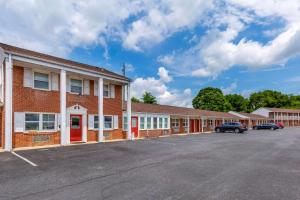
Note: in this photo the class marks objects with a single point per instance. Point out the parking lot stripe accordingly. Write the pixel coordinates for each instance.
(25, 159)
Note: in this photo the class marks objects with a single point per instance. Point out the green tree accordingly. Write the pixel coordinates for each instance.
(238, 102)
(295, 101)
(269, 98)
(211, 99)
(149, 98)
(135, 100)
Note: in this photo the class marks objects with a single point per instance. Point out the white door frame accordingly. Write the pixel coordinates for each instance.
(77, 110)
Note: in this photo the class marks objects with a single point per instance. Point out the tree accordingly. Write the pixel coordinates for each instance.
(149, 98)
(135, 100)
(211, 99)
(238, 102)
(295, 101)
(269, 98)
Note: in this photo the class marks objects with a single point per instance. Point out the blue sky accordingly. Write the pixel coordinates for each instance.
(172, 48)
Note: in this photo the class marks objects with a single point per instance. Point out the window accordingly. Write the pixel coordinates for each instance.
(41, 81)
(106, 90)
(210, 123)
(48, 121)
(96, 121)
(175, 123)
(76, 86)
(160, 122)
(204, 123)
(148, 122)
(154, 122)
(185, 123)
(108, 122)
(32, 122)
(142, 122)
(166, 122)
(125, 123)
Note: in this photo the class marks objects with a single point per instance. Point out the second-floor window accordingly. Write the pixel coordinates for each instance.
(41, 80)
(76, 86)
(106, 90)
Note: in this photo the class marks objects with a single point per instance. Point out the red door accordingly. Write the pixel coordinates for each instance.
(75, 128)
(192, 126)
(134, 126)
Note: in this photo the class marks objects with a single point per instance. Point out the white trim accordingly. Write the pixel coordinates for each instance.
(60, 66)
(70, 85)
(63, 111)
(130, 136)
(80, 111)
(100, 110)
(40, 130)
(8, 103)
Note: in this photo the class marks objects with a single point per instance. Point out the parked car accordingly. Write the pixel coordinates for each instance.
(231, 126)
(280, 125)
(269, 126)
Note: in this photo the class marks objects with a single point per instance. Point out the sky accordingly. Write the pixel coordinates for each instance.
(171, 48)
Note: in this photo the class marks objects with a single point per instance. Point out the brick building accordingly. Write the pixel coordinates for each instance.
(289, 117)
(250, 119)
(48, 100)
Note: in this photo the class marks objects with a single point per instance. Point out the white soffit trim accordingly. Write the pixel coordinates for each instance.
(238, 114)
(59, 66)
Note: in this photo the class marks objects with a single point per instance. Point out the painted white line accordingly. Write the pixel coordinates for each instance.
(25, 159)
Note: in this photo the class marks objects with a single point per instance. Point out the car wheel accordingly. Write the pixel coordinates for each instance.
(218, 130)
(272, 128)
(255, 128)
(236, 130)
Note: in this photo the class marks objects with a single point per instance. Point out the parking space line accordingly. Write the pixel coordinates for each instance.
(25, 159)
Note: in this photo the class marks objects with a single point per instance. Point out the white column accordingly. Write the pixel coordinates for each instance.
(129, 135)
(188, 125)
(199, 124)
(8, 103)
(100, 110)
(202, 125)
(63, 105)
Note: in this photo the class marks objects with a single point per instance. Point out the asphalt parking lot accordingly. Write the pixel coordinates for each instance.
(257, 165)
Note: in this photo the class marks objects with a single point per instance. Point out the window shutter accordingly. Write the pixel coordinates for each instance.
(28, 77)
(91, 122)
(86, 87)
(54, 81)
(112, 91)
(68, 84)
(96, 88)
(19, 122)
(58, 121)
(116, 122)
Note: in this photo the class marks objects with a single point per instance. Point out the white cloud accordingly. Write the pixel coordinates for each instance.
(230, 89)
(220, 50)
(164, 75)
(161, 91)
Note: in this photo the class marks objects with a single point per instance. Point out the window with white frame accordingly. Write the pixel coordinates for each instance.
(142, 122)
(175, 123)
(48, 121)
(166, 123)
(204, 123)
(185, 122)
(108, 122)
(105, 90)
(210, 122)
(76, 86)
(41, 81)
(160, 124)
(125, 123)
(39, 122)
(148, 122)
(96, 121)
(154, 122)
(32, 121)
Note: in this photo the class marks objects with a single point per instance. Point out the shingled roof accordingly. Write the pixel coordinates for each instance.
(284, 110)
(40, 56)
(250, 115)
(180, 111)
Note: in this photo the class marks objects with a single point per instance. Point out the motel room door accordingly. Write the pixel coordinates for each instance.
(75, 128)
(134, 126)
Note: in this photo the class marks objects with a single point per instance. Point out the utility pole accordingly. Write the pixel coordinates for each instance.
(124, 69)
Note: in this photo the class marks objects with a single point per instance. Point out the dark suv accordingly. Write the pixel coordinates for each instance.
(231, 126)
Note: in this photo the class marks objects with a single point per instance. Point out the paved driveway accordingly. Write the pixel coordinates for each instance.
(257, 165)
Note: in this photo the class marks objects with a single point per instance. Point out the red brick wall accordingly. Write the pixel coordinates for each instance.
(153, 133)
(32, 100)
